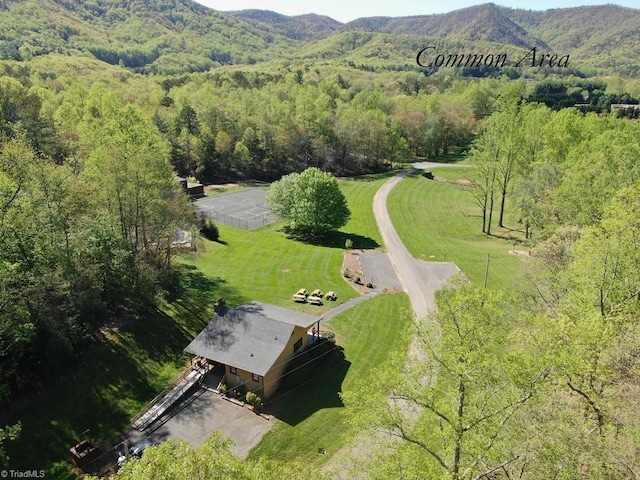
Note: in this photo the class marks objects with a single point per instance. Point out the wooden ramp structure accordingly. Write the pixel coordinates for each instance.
(190, 378)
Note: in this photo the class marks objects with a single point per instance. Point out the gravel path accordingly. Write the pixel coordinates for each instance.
(419, 279)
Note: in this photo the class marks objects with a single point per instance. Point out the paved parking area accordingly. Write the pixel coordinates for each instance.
(378, 270)
(205, 412)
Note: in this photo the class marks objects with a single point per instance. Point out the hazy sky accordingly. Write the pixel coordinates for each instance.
(346, 10)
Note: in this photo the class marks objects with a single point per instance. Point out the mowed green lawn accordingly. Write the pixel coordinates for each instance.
(439, 221)
(268, 266)
(359, 194)
(314, 417)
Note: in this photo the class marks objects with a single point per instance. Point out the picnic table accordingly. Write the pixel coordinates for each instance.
(298, 297)
(331, 295)
(314, 300)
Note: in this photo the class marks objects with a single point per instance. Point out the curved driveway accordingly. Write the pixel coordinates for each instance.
(419, 279)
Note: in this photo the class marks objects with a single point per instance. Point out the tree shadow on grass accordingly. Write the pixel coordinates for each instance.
(371, 177)
(334, 240)
(104, 387)
(121, 368)
(193, 294)
(322, 391)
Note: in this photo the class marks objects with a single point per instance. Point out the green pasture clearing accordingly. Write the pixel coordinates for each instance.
(268, 266)
(313, 418)
(438, 221)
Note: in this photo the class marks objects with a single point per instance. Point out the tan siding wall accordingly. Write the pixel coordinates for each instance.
(272, 378)
(245, 377)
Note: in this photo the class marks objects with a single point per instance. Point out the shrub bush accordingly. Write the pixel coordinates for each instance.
(329, 336)
(209, 230)
(347, 273)
(254, 399)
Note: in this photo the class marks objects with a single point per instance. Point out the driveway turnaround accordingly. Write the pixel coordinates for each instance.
(206, 412)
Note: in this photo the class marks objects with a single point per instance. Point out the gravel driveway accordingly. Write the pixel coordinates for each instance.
(418, 278)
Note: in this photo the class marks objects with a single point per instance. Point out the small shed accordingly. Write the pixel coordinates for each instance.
(195, 190)
(183, 183)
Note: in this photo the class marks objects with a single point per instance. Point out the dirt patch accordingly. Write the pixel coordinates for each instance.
(464, 182)
(220, 186)
(351, 265)
(526, 253)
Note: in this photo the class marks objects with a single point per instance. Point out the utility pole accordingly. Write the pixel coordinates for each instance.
(486, 271)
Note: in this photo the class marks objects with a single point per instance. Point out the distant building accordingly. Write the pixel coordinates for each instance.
(624, 106)
(194, 190)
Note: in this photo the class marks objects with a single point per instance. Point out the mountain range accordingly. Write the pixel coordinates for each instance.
(173, 36)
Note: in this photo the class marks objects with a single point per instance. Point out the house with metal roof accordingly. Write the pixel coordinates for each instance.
(254, 342)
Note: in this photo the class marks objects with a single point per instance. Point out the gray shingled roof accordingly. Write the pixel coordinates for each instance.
(250, 337)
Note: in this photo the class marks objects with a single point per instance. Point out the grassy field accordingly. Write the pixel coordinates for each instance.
(316, 418)
(438, 221)
(267, 266)
(359, 194)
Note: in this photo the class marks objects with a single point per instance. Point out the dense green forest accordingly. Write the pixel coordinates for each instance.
(102, 103)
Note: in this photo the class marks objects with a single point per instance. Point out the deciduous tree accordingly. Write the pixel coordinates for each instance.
(311, 201)
(455, 406)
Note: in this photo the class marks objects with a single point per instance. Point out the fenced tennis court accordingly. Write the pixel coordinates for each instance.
(244, 209)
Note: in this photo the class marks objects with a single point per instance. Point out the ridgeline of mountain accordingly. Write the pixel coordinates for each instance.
(175, 36)
(299, 27)
(609, 35)
(487, 22)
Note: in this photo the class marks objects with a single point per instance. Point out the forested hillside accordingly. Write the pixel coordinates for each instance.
(166, 36)
(299, 27)
(175, 36)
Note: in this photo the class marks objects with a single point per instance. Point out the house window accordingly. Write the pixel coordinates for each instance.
(255, 377)
(233, 370)
(297, 345)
